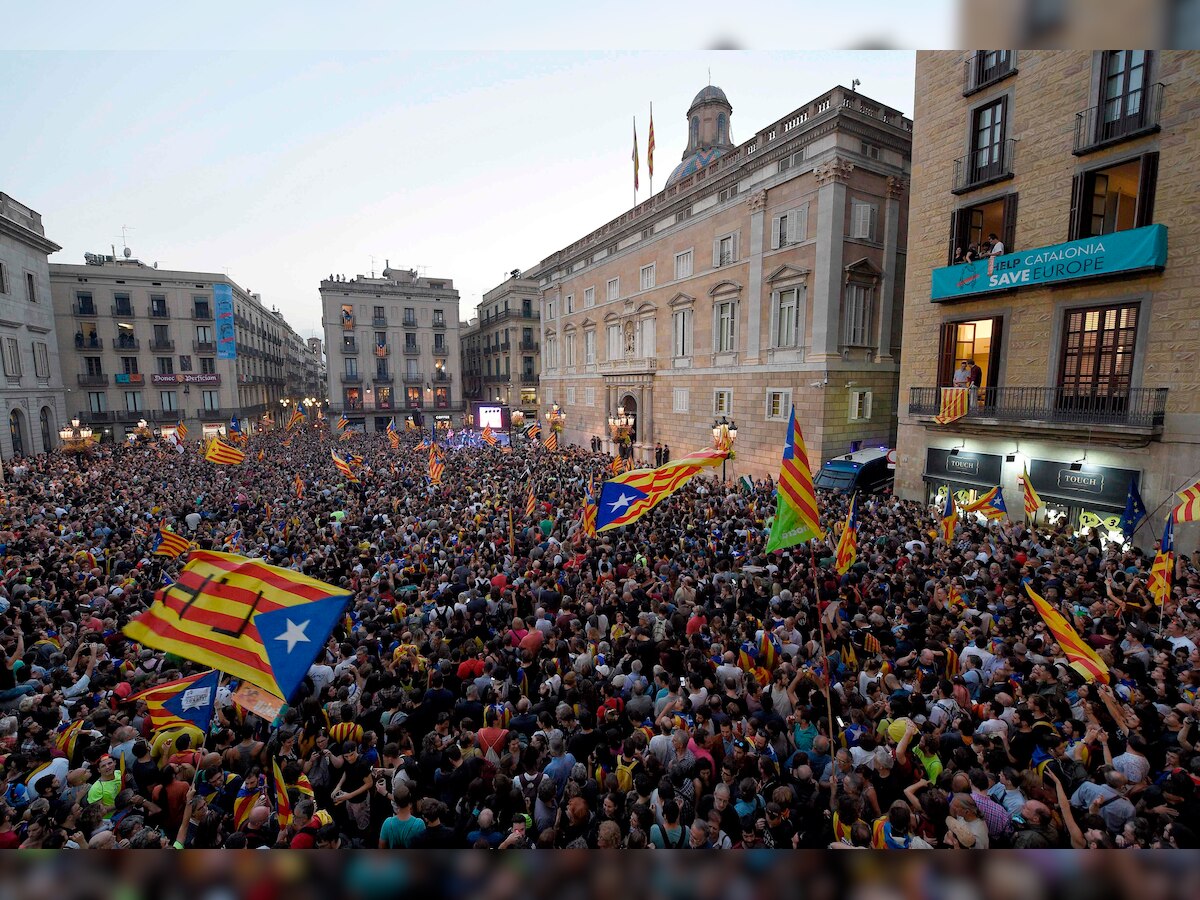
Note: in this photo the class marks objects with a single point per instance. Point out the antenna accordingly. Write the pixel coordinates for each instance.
(124, 241)
(710, 76)
(372, 266)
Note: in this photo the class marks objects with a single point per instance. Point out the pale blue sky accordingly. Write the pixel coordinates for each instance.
(285, 165)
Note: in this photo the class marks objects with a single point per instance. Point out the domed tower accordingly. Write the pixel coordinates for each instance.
(708, 132)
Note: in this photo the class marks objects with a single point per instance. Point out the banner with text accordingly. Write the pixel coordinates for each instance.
(226, 338)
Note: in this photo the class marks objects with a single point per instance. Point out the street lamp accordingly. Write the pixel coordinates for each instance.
(556, 418)
(75, 438)
(620, 427)
(724, 432)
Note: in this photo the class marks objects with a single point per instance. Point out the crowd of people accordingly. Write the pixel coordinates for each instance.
(505, 680)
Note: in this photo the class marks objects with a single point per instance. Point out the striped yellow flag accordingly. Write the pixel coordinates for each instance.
(222, 454)
(954, 405)
(1083, 658)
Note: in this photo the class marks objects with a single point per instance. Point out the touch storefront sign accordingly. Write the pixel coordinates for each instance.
(1110, 254)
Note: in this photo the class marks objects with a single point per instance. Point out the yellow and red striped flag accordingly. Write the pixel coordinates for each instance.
(847, 548)
(1032, 501)
(261, 455)
(551, 440)
(343, 467)
(628, 497)
(436, 467)
(222, 454)
(67, 737)
(952, 662)
(168, 543)
(295, 418)
(283, 804)
(1163, 569)
(298, 485)
(954, 597)
(1083, 658)
(650, 146)
(871, 643)
(617, 466)
(488, 437)
(796, 516)
(342, 422)
(530, 502)
(949, 517)
(181, 431)
(1189, 509)
(954, 405)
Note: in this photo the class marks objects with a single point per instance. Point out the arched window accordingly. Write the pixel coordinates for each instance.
(722, 123)
(14, 429)
(47, 429)
(694, 139)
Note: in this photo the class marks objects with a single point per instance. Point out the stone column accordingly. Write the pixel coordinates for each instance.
(827, 279)
(758, 205)
(887, 288)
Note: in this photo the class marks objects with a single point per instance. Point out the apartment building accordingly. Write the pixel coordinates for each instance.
(1083, 324)
(32, 389)
(392, 345)
(501, 348)
(764, 274)
(166, 346)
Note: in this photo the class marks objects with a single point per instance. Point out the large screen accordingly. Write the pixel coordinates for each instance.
(491, 417)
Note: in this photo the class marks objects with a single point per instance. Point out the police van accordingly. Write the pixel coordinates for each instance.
(865, 471)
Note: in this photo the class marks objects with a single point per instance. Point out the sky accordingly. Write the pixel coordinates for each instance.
(281, 166)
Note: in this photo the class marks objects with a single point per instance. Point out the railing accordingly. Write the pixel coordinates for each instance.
(379, 321)
(93, 380)
(202, 314)
(164, 415)
(89, 342)
(127, 344)
(384, 377)
(91, 416)
(209, 415)
(529, 378)
(164, 344)
(439, 323)
(351, 379)
(1092, 131)
(413, 377)
(83, 309)
(120, 309)
(1133, 408)
(412, 350)
(204, 347)
(980, 72)
(983, 166)
(512, 313)
(410, 321)
(159, 312)
(529, 346)
(441, 375)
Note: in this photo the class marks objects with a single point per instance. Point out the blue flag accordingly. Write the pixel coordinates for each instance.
(1135, 510)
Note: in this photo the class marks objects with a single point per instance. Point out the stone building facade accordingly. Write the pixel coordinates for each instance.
(501, 349)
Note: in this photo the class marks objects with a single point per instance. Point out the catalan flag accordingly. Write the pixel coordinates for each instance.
(990, 504)
(436, 468)
(551, 441)
(871, 644)
(259, 623)
(345, 436)
(847, 548)
(530, 502)
(1083, 658)
(796, 516)
(298, 485)
(243, 804)
(533, 431)
(1189, 509)
(617, 466)
(168, 543)
(295, 418)
(283, 804)
(1163, 569)
(410, 425)
(1032, 501)
(67, 737)
(628, 497)
(393, 435)
(954, 405)
(949, 517)
(342, 422)
(304, 786)
(262, 454)
(187, 701)
(650, 146)
(343, 467)
(222, 454)
(768, 649)
(181, 432)
(952, 662)
(488, 437)
(954, 597)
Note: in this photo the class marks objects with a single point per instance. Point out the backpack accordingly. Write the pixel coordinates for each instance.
(625, 772)
(529, 788)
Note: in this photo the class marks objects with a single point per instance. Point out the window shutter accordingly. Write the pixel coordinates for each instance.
(775, 232)
(954, 217)
(716, 253)
(1009, 232)
(946, 352)
(1075, 222)
(992, 375)
(873, 219)
(793, 221)
(1147, 181)
(737, 240)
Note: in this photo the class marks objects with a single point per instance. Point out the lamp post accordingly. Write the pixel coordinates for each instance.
(620, 427)
(556, 419)
(724, 432)
(75, 438)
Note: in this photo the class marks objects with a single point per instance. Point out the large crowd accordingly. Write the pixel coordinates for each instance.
(525, 685)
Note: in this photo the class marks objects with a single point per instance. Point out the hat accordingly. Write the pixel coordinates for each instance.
(966, 838)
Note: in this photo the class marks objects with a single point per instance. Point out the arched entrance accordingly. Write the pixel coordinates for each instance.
(17, 431)
(47, 422)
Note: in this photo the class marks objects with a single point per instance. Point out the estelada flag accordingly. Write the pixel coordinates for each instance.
(168, 543)
(990, 504)
(295, 418)
(258, 622)
(1083, 658)
(342, 422)
(530, 502)
(949, 517)
(796, 515)
(298, 484)
(551, 441)
(67, 737)
(187, 701)
(954, 405)
(1163, 569)
(847, 548)
(436, 467)
(222, 454)
(629, 496)
(283, 804)
(344, 467)
(488, 437)
(1032, 501)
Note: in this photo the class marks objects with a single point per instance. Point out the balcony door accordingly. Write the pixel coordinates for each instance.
(1124, 87)
(1096, 368)
(978, 340)
(987, 141)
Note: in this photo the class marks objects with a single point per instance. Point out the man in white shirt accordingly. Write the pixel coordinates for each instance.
(997, 245)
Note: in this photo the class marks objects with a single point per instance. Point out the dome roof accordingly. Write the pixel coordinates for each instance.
(693, 162)
(709, 94)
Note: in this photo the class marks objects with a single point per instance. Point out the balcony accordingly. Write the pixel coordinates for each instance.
(440, 375)
(93, 380)
(349, 346)
(94, 416)
(412, 350)
(439, 322)
(383, 378)
(511, 314)
(123, 310)
(413, 377)
(202, 314)
(410, 321)
(83, 308)
(529, 378)
(439, 349)
(88, 342)
(163, 345)
(1136, 409)
(204, 346)
(209, 415)
(529, 346)
(983, 167)
(159, 312)
(984, 68)
(127, 343)
(382, 350)
(379, 321)
(351, 379)
(1094, 130)
(170, 416)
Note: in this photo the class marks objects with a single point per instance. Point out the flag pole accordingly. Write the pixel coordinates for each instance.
(650, 151)
(635, 161)
(825, 667)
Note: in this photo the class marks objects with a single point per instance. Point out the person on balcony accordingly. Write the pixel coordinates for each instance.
(975, 381)
(962, 375)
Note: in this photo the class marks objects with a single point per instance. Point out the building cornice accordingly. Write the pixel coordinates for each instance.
(19, 232)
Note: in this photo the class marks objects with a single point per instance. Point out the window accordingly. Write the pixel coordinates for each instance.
(725, 250)
(551, 353)
(860, 406)
(986, 67)
(158, 305)
(569, 350)
(972, 225)
(98, 401)
(589, 297)
(208, 365)
(614, 341)
(589, 348)
(439, 343)
(3, 278)
(863, 218)
(987, 142)
(869, 150)
(378, 315)
(204, 334)
(165, 364)
(589, 396)
(185, 363)
(129, 365)
(786, 315)
(790, 162)
(683, 264)
(1114, 198)
(410, 316)
(383, 397)
(722, 128)
(439, 319)
(1123, 93)
(647, 277)
(168, 400)
(977, 340)
(694, 132)
(200, 308)
(728, 194)
(681, 333)
(381, 339)
(30, 287)
(570, 304)
(860, 303)
(571, 396)
(133, 401)
(679, 400)
(122, 305)
(647, 339)
(779, 404)
(352, 398)
(789, 228)
(12, 358)
(412, 396)
(613, 288)
(41, 360)
(1097, 351)
(725, 317)
(410, 341)
(549, 307)
(92, 365)
(351, 363)
(722, 402)
(441, 397)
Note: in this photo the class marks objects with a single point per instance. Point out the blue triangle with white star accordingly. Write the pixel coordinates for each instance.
(195, 702)
(615, 500)
(294, 635)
